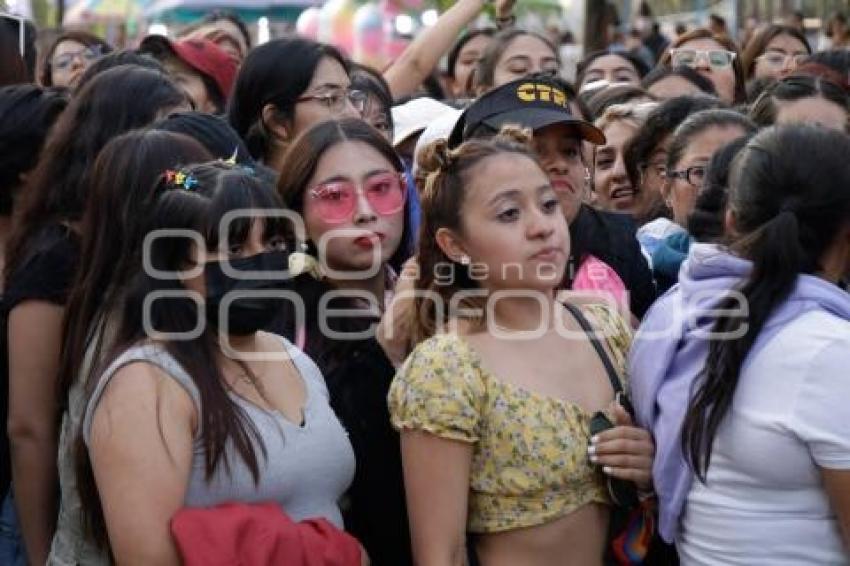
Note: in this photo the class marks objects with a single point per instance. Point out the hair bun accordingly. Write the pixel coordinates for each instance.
(435, 157)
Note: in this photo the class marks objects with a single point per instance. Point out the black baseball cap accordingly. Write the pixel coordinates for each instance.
(532, 102)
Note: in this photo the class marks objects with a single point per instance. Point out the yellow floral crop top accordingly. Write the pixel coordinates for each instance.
(529, 463)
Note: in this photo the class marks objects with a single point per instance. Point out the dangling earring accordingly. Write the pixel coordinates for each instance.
(464, 260)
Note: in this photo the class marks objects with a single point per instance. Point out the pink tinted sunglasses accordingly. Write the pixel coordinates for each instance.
(336, 201)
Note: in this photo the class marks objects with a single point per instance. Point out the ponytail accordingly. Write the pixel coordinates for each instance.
(777, 258)
(789, 197)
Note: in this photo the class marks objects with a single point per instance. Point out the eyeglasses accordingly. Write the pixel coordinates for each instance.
(716, 58)
(695, 176)
(336, 201)
(89, 55)
(335, 100)
(779, 60)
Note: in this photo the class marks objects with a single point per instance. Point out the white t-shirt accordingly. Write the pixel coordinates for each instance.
(764, 503)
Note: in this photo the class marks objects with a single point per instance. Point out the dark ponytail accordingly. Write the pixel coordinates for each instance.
(790, 201)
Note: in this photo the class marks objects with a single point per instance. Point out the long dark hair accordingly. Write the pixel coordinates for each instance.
(218, 188)
(302, 158)
(121, 198)
(83, 38)
(276, 73)
(789, 200)
(109, 105)
(27, 113)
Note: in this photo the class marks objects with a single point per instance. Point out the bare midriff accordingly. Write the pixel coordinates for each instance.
(576, 539)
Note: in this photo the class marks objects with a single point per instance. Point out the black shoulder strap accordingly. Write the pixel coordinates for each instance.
(597, 345)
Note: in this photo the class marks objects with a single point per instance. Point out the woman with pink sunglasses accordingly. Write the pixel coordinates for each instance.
(347, 186)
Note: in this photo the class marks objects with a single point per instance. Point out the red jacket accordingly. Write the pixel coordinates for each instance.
(235, 534)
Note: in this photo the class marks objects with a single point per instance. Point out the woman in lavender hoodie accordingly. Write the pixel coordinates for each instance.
(741, 371)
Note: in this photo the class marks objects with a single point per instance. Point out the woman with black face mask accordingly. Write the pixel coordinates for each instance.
(196, 406)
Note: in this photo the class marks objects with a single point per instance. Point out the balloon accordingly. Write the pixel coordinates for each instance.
(369, 36)
(308, 23)
(336, 23)
(394, 45)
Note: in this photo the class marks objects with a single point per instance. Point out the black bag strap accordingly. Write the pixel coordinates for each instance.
(597, 345)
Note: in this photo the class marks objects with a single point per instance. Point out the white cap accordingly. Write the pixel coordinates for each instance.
(414, 116)
(439, 128)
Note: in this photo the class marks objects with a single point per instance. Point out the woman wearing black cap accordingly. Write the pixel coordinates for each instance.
(549, 107)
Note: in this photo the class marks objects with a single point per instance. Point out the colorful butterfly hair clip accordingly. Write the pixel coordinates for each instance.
(181, 179)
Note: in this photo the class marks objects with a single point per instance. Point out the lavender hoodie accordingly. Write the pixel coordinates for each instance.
(670, 349)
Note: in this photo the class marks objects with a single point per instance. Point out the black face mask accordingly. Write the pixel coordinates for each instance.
(245, 314)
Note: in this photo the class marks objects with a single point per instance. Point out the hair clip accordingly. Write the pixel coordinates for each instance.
(302, 262)
(232, 159)
(181, 179)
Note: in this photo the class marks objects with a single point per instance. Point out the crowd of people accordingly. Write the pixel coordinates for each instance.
(262, 304)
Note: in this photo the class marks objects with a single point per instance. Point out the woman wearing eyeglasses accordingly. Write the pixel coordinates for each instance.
(775, 53)
(346, 183)
(714, 56)
(286, 86)
(693, 144)
(70, 55)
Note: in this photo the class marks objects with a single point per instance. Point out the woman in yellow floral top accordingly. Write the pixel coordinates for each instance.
(494, 404)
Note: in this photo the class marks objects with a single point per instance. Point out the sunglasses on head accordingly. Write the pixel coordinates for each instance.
(336, 201)
(716, 58)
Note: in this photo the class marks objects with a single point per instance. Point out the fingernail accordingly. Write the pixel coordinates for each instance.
(594, 439)
(593, 458)
(591, 449)
(607, 470)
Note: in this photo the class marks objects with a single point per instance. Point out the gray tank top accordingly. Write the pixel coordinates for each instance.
(307, 468)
